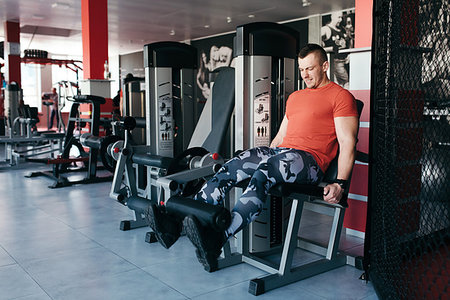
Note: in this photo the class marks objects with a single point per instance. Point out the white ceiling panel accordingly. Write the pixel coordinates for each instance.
(133, 23)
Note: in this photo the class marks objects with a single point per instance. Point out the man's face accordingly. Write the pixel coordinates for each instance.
(312, 71)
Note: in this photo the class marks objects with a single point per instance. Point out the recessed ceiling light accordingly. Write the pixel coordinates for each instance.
(229, 20)
(251, 16)
(172, 32)
(61, 5)
(306, 3)
(206, 26)
(37, 17)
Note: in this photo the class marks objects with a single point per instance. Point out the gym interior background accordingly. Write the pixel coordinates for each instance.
(398, 201)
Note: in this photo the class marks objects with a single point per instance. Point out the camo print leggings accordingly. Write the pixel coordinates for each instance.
(266, 167)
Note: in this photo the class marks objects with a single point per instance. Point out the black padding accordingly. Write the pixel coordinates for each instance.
(140, 122)
(213, 216)
(285, 189)
(181, 162)
(89, 99)
(129, 123)
(267, 39)
(91, 141)
(53, 134)
(138, 203)
(171, 55)
(151, 160)
(222, 108)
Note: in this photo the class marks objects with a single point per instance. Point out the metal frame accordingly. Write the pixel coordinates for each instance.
(285, 272)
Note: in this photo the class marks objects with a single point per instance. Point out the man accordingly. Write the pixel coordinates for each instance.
(318, 120)
(53, 97)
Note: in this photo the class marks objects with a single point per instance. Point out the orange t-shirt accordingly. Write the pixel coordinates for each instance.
(310, 114)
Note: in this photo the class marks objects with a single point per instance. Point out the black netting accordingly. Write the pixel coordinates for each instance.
(409, 218)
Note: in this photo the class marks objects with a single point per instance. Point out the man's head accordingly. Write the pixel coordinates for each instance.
(54, 90)
(313, 65)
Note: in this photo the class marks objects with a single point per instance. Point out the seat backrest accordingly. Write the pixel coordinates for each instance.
(331, 173)
(212, 126)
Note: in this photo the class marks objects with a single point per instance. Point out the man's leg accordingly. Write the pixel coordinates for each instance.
(52, 115)
(167, 228)
(208, 242)
(234, 171)
(289, 165)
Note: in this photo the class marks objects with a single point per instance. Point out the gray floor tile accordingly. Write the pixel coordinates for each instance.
(24, 228)
(51, 245)
(15, 283)
(341, 283)
(131, 245)
(5, 258)
(83, 265)
(66, 244)
(40, 296)
(372, 296)
(240, 292)
(135, 284)
(187, 276)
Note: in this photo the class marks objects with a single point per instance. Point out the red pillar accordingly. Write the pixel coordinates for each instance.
(94, 27)
(363, 23)
(12, 52)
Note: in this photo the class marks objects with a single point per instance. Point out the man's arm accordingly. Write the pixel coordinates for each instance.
(346, 131)
(278, 139)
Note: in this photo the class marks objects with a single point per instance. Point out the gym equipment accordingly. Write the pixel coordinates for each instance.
(169, 107)
(24, 141)
(270, 233)
(266, 61)
(96, 144)
(134, 105)
(208, 137)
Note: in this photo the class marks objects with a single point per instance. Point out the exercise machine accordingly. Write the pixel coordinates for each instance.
(169, 107)
(22, 140)
(201, 153)
(265, 75)
(98, 145)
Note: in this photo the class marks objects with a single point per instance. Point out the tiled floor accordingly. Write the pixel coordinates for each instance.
(66, 244)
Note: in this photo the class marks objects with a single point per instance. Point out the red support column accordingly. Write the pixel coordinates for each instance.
(363, 23)
(94, 25)
(12, 52)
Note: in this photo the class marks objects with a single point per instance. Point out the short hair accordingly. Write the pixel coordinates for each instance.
(313, 48)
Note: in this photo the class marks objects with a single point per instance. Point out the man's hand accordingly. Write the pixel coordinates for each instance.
(332, 193)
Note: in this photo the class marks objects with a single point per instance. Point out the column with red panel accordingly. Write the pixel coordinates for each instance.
(94, 19)
(359, 86)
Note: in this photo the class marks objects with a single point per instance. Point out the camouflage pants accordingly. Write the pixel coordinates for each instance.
(265, 167)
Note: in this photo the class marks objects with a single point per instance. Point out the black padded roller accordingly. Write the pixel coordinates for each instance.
(213, 216)
(91, 141)
(140, 122)
(138, 203)
(151, 160)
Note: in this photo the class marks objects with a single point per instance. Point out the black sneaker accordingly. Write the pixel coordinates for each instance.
(207, 241)
(166, 229)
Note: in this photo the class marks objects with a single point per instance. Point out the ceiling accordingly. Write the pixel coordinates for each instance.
(55, 25)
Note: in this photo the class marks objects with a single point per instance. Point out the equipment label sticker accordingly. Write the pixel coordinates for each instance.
(165, 123)
(261, 121)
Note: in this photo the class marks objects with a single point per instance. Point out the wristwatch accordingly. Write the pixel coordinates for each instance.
(343, 183)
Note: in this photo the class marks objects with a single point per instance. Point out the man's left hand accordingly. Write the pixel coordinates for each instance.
(332, 193)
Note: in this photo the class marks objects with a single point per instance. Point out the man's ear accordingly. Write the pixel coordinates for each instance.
(325, 66)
